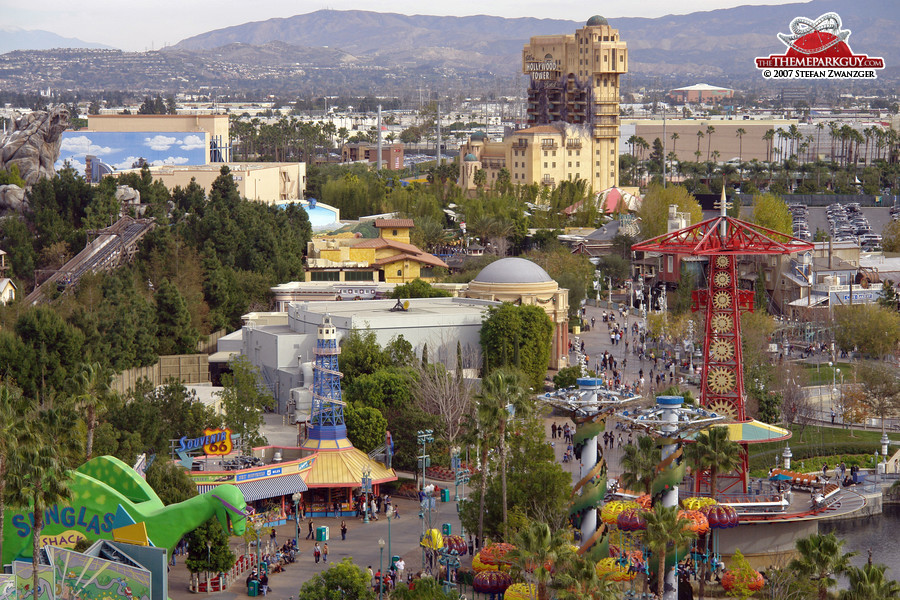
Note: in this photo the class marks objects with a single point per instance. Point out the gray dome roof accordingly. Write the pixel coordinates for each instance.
(512, 270)
(470, 157)
(478, 135)
(597, 20)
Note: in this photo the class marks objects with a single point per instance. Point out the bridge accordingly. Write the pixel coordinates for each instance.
(112, 247)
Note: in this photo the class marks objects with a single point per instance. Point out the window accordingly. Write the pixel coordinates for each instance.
(570, 164)
(570, 153)
(598, 163)
(554, 153)
(670, 264)
(324, 276)
(546, 153)
(426, 272)
(612, 163)
(545, 165)
(394, 232)
(400, 271)
(358, 276)
(554, 165)
(577, 164)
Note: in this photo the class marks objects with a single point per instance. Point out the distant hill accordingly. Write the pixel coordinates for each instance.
(703, 43)
(36, 39)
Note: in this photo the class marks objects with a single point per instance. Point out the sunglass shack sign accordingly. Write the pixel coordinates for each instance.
(818, 49)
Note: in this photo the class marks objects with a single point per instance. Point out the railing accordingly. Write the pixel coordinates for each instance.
(549, 145)
(548, 181)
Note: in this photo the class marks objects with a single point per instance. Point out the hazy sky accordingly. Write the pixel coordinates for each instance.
(131, 25)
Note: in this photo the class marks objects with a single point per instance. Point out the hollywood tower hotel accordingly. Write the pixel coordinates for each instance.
(575, 80)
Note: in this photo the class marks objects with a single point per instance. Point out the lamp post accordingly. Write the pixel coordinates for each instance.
(296, 498)
(381, 568)
(366, 487)
(208, 562)
(390, 555)
(424, 436)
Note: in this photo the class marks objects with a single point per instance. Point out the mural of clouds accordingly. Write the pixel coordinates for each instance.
(126, 162)
(83, 145)
(160, 143)
(73, 162)
(193, 142)
(171, 160)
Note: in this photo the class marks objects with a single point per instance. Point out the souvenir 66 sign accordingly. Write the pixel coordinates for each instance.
(218, 443)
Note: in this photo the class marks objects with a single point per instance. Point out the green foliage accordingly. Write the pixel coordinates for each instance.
(870, 583)
(566, 377)
(342, 581)
(771, 212)
(176, 333)
(388, 386)
(426, 588)
(518, 336)
(889, 298)
(537, 486)
(360, 355)
(744, 575)
(819, 559)
(872, 329)
(639, 463)
(573, 272)
(217, 558)
(170, 482)
(366, 426)
(684, 298)
(666, 530)
(418, 289)
(654, 211)
(611, 265)
(12, 176)
(890, 241)
(244, 399)
(717, 453)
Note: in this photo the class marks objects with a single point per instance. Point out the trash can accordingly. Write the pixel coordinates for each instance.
(264, 567)
(394, 560)
(445, 495)
(446, 528)
(253, 588)
(322, 533)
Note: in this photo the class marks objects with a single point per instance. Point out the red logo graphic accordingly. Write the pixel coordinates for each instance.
(818, 50)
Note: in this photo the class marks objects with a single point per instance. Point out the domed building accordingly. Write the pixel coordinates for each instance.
(523, 282)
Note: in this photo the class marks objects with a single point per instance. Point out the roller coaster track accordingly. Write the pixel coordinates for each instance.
(112, 247)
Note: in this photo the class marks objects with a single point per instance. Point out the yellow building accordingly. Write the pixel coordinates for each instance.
(545, 154)
(215, 126)
(389, 257)
(575, 79)
(269, 183)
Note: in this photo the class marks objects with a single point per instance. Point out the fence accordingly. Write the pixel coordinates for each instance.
(186, 368)
(208, 345)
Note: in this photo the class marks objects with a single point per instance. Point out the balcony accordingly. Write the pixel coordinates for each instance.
(520, 143)
(573, 144)
(602, 131)
(547, 180)
(549, 144)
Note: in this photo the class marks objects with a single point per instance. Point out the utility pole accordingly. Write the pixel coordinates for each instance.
(379, 138)
(664, 158)
(438, 151)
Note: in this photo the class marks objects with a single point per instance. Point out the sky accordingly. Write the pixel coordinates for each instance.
(146, 25)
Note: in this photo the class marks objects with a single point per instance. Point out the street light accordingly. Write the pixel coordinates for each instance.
(296, 498)
(366, 488)
(390, 555)
(381, 568)
(424, 436)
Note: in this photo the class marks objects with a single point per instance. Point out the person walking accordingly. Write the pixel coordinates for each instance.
(310, 535)
(264, 583)
(371, 575)
(317, 552)
(401, 565)
(325, 552)
(343, 530)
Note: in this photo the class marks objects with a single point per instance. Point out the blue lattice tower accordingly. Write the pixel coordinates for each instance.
(327, 430)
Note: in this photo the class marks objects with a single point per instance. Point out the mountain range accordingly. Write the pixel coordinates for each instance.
(716, 42)
(37, 39)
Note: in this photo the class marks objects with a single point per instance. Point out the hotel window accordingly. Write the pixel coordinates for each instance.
(324, 276)
(554, 165)
(612, 163)
(598, 163)
(598, 175)
(570, 164)
(577, 164)
(570, 153)
(545, 165)
(400, 272)
(554, 153)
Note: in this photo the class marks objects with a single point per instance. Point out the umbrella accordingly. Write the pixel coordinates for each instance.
(780, 477)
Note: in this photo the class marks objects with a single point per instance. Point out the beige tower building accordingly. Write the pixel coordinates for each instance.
(575, 79)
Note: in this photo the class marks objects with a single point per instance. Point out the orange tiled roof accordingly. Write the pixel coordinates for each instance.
(383, 223)
(421, 257)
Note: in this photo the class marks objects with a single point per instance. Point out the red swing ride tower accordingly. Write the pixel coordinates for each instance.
(724, 240)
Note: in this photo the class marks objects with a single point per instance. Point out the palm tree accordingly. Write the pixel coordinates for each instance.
(639, 464)
(10, 425)
(577, 579)
(869, 583)
(674, 137)
(501, 390)
(718, 454)
(709, 131)
(47, 448)
(740, 132)
(821, 557)
(665, 530)
(93, 385)
(538, 553)
(699, 137)
(767, 137)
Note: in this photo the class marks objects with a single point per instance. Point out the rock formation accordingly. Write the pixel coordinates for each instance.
(12, 199)
(33, 144)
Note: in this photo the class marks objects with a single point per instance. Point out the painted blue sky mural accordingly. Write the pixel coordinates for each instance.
(121, 150)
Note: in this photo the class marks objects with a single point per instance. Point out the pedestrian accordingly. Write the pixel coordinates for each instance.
(273, 537)
(553, 431)
(833, 415)
(401, 565)
(825, 470)
(310, 535)
(264, 583)
(325, 552)
(371, 575)
(396, 513)
(317, 552)
(343, 530)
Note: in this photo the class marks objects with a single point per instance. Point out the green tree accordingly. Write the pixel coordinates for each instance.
(426, 588)
(208, 549)
(889, 298)
(418, 289)
(537, 554)
(890, 235)
(744, 575)
(342, 581)
(666, 530)
(386, 387)
(567, 377)
(639, 463)
(518, 336)
(577, 579)
(360, 355)
(882, 388)
(504, 392)
(573, 272)
(873, 330)
(366, 426)
(771, 212)
(244, 400)
(176, 333)
(654, 211)
(869, 583)
(821, 558)
(170, 482)
(92, 399)
(10, 426)
(718, 454)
